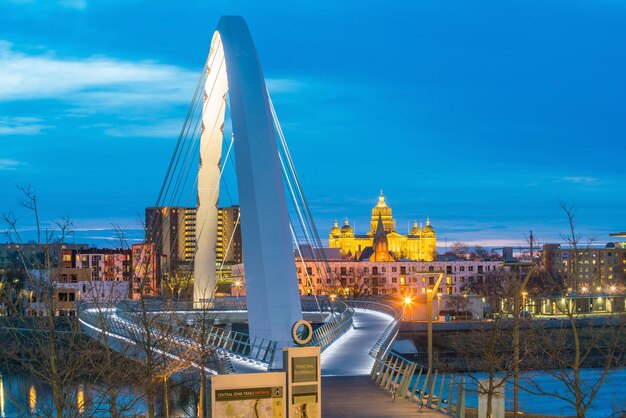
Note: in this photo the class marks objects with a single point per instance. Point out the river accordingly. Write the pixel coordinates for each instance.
(22, 395)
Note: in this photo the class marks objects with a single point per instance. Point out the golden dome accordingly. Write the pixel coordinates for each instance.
(346, 228)
(381, 209)
(415, 230)
(381, 200)
(335, 231)
(428, 228)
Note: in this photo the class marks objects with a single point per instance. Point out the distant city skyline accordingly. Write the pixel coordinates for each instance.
(482, 117)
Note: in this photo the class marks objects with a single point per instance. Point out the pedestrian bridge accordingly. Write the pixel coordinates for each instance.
(350, 333)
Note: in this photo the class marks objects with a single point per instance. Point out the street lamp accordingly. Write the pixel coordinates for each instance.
(406, 304)
(333, 297)
(237, 286)
(516, 337)
(430, 295)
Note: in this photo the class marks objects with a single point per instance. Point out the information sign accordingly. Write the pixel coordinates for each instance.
(302, 365)
(249, 395)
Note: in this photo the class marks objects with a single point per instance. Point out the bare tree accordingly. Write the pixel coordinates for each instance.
(580, 341)
(460, 305)
(56, 352)
(489, 346)
(113, 360)
(460, 249)
(359, 283)
(479, 252)
(152, 343)
(178, 282)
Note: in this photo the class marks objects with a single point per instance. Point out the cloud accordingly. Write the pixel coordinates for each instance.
(283, 85)
(70, 4)
(92, 82)
(9, 165)
(579, 180)
(165, 129)
(74, 4)
(20, 126)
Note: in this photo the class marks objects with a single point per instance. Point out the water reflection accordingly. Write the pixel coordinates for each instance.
(32, 399)
(23, 395)
(80, 399)
(2, 396)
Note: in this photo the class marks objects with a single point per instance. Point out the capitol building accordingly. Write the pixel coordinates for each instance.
(382, 242)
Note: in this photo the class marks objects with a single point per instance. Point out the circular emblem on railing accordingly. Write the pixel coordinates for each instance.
(302, 332)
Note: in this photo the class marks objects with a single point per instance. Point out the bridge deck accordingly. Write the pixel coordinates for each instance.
(349, 355)
(352, 397)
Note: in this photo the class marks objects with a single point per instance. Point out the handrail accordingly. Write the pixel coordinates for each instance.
(329, 332)
(389, 334)
(101, 320)
(238, 344)
(227, 342)
(227, 303)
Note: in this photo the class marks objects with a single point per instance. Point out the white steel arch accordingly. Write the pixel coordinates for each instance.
(271, 282)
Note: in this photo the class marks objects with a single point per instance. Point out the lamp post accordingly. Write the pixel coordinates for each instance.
(406, 303)
(237, 286)
(516, 354)
(430, 295)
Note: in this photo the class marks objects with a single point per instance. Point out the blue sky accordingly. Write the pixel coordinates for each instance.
(482, 115)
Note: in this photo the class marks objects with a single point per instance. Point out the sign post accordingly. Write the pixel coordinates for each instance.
(249, 395)
(304, 384)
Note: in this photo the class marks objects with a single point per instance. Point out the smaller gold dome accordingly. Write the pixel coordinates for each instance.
(429, 228)
(335, 229)
(415, 230)
(346, 228)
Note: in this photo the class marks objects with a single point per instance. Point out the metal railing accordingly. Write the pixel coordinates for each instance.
(188, 323)
(433, 390)
(195, 326)
(98, 322)
(221, 304)
(394, 372)
(341, 321)
(389, 334)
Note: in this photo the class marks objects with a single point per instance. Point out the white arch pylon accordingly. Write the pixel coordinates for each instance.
(271, 282)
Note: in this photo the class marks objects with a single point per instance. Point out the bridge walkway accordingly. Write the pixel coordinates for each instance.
(349, 355)
(358, 397)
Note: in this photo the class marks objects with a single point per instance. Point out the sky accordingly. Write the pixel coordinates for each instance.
(481, 115)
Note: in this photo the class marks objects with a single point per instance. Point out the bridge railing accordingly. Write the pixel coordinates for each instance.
(195, 327)
(439, 391)
(227, 304)
(190, 323)
(121, 326)
(340, 322)
(387, 307)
